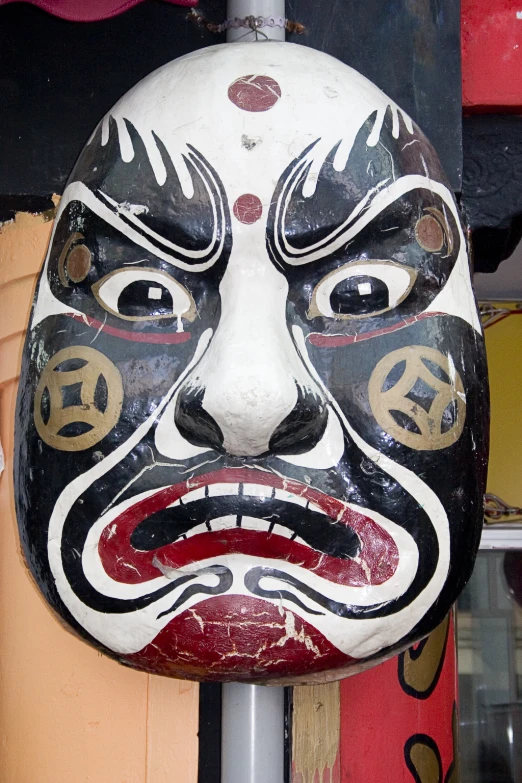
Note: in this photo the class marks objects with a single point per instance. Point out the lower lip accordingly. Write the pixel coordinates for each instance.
(125, 564)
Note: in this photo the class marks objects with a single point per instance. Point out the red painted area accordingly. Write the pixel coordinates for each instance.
(338, 340)
(254, 93)
(169, 338)
(491, 54)
(273, 643)
(126, 564)
(378, 717)
(248, 208)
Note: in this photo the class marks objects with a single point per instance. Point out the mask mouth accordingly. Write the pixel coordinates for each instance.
(248, 512)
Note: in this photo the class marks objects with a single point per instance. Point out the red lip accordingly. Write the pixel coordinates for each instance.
(125, 564)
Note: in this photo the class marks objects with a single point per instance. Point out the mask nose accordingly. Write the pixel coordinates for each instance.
(251, 394)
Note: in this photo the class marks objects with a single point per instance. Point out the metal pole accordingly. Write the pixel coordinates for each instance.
(239, 9)
(252, 744)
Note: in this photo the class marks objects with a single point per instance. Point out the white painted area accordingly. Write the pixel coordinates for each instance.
(251, 370)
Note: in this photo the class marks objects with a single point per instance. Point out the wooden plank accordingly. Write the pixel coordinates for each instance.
(315, 734)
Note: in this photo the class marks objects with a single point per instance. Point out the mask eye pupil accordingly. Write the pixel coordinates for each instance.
(359, 295)
(143, 298)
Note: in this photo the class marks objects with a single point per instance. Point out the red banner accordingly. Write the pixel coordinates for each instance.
(399, 721)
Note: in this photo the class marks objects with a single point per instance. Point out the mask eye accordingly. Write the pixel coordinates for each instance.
(361, 289)
(143, 294)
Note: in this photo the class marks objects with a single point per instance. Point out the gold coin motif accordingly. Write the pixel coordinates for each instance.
(98, 419)
(430, 433)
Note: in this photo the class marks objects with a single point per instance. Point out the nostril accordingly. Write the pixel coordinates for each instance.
(304, 426)
(194, 423)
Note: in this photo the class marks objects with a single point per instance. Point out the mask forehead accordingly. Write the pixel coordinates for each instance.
(314, 97)
(255, 354)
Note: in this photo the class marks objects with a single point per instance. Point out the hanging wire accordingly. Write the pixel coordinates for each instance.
(250, 23)
(492, 314)
(498, 512)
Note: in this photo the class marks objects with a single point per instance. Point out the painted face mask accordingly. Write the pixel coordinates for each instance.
(252, 418)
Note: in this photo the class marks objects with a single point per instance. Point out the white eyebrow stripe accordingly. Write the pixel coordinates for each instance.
(382, 200)
(78, 191)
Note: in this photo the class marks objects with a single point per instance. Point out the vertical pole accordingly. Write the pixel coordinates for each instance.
(252, 744)
(252, 740)
(239, 9)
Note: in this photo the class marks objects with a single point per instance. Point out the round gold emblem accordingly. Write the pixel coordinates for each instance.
(428, 388)
(80, 390)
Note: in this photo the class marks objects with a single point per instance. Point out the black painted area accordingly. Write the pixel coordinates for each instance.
(209, 759)
(10, 205)
(410, 50)
(492, 187)
(59, 78)
(70, 74)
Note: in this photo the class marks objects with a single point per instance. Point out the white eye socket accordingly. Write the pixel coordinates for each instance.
(144, 294)
(361, 289)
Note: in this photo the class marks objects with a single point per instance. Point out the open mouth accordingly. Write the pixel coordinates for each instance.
(249, 512)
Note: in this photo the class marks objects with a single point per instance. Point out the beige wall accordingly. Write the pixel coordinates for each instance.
(67, 714)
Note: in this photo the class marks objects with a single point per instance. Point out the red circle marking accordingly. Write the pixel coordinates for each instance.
(254, 93)
(248, 208)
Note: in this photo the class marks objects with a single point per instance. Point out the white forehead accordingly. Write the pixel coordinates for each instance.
(186, 101)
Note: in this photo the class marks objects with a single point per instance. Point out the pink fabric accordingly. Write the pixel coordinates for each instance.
(90, 10)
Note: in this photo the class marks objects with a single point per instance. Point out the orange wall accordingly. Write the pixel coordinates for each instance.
(68, 714)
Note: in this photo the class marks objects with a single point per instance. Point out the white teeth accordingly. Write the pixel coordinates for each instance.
(249, 523)
(224, 523)
(250, 490)
(288, 497)
(257, 491)
(229, 522)
(218, 490)
(195, 494)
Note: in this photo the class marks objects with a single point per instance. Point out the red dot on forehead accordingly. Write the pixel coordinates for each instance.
(248, 208)
(254, 93)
